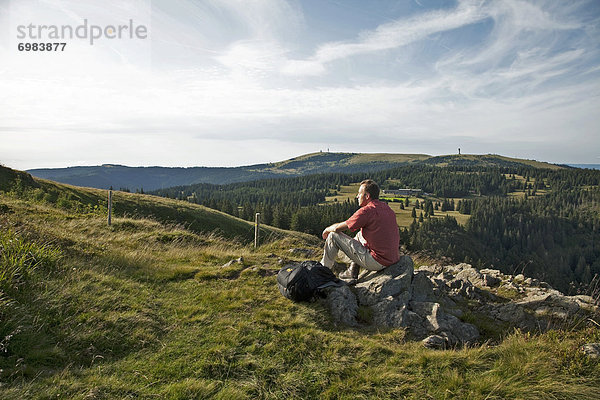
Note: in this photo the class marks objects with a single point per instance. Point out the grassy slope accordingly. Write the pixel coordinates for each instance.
(357, 158)
(194, 217)
(387, 157)
(142, 309)
(532, 163)
(313, 163)
(484, 160)
(315, 160)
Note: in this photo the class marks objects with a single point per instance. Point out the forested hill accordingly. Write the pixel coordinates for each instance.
(152, 178)
(542, 222)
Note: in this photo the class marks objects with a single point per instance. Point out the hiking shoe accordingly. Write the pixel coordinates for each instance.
(338, 268)
(351, 274)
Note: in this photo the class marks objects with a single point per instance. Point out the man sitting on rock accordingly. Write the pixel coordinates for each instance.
(375, 246)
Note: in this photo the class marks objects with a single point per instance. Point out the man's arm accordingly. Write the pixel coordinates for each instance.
(340, 226)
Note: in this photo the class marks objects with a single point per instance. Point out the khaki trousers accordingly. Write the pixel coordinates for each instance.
(351, 250)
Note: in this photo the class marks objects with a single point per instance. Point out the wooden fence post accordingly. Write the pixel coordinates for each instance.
(256, 229)
(109, 206)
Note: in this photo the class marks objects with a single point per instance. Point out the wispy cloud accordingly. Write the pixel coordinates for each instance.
(389, 35)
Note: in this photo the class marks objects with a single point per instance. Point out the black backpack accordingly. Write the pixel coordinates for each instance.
(300, 281)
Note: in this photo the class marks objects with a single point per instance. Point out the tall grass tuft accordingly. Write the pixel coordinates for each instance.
(19, 259)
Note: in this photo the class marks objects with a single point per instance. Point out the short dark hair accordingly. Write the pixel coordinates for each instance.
(371, 187)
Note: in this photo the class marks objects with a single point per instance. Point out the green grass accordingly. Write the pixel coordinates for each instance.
(521, 193)
(357, 158)
(532, 163)
(193, 217)
(143, 309)
(491, 159)
(19, 259)
(403, 217)
(347, 192)
(387, 157)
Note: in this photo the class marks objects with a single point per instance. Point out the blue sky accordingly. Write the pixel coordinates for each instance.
(237, 82)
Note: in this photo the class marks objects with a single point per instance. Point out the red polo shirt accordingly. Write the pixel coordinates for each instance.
(377, 222)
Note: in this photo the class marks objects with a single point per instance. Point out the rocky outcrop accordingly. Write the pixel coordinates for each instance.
(394, 281)
(448, 305)
(343, 305)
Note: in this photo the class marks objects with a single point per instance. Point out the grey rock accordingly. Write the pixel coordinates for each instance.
(557, 303)
(445, 276)
(435, 342)
(591, 350)
(464, 288)
(431, 269)
(493, 272)
(439, 284)
(390, 281)
(551, 312)
(471, 275)
(422, 287)
(585, 302)
(456, 284)
(490, 280)
(435, 290)
(430, 301)
(585, 299)
(509, 312)
(461, 332)
(342, 304)
(435, 320)
(232, 262)
(457, 312)
(416, 326)
(391, 311)
(429, 311)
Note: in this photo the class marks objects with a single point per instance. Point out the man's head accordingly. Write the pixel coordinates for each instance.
(368, 191)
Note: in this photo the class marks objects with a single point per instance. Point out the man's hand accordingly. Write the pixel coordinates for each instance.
(340, 226)
(327, 231)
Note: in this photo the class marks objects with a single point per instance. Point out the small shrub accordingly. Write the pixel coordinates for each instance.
(509, 293)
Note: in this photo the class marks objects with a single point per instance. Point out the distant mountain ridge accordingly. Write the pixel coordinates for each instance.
(588, 166)
(152, 178)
